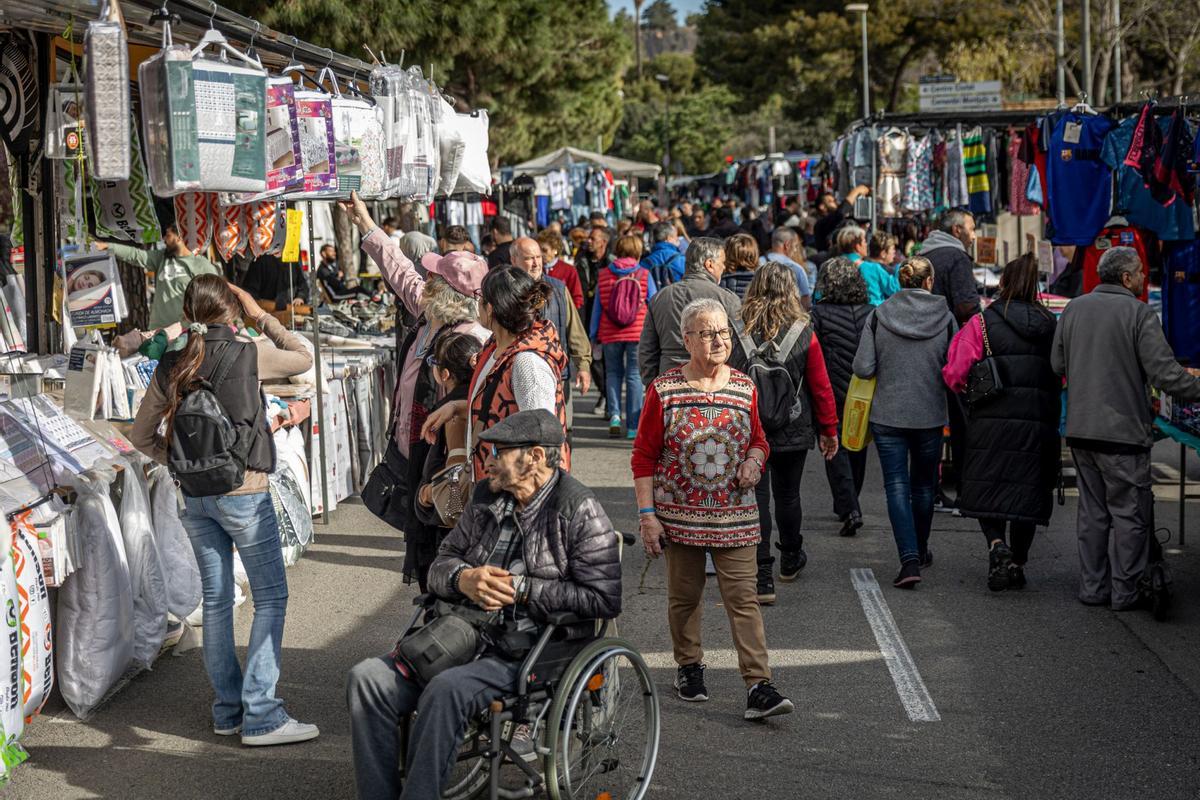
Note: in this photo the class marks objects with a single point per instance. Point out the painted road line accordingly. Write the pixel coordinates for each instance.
(913, 694)
(726, 658)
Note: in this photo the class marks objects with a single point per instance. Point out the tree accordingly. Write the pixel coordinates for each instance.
(659, 16)
(548, 73)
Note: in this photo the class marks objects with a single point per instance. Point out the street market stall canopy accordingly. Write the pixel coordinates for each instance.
(566, 156)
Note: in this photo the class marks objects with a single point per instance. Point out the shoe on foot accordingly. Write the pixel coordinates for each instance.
(1016, 576)
(944, 505)
(689, 683)
(522, 743)
(851, 524)
(766, 589)
(910, 575)
(614, 427)
(234, 731)
(927, 559)
(631, 433)
(999, 564)
(289, 732)
(790, 564)
(765, 701)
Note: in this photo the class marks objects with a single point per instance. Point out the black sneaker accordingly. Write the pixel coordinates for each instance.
(790, 564)
(1016, 576)
(851, 524)
(944, 505)
(909, 577)
(766, 701)
(927, 559)
(689, 683)
(766, 589)
(999, 565)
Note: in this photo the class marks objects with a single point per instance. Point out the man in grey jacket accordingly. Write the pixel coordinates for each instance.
(533, 542)
(1111, 348)
(661, 346)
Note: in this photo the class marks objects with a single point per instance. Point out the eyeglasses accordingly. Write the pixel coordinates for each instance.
(725, 334)
(494, 451)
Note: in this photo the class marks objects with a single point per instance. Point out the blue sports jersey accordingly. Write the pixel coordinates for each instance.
(1171, 223)
(1079, 182)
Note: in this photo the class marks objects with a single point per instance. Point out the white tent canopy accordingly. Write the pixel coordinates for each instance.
(566, 156)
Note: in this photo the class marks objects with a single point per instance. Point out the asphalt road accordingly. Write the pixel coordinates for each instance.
(1036, 695)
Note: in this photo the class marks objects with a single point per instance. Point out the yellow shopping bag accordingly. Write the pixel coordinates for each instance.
(856, 432)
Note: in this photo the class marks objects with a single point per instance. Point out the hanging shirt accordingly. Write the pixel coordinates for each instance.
(893, 150)
(975, 167)
(1135, 201)
(1020, 160)
(560, 189)
(1115, 236)
(1079, 182)
(918, 179)
(1181, 303)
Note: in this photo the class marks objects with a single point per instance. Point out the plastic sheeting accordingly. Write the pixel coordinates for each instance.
(145, 569)
(184, 587)
(95, 607)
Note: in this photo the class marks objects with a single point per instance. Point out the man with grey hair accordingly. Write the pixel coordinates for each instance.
(1111, 348)
(661, 346)
(785, 248)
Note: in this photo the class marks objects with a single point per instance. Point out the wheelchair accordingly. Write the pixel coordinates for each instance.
(592, 712)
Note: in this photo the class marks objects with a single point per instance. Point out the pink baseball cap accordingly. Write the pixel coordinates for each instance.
(464, 271)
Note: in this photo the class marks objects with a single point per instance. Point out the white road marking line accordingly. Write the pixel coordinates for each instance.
(913, 694)
(726, 658)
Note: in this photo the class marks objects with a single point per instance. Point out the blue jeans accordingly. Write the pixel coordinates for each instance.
(621, 365)
(215, 525)
(909, 458)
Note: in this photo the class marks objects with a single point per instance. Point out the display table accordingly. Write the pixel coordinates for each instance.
(1186, 440)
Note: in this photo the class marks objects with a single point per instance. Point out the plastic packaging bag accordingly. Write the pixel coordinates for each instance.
(451, 147)
(231, 106)
(12, 711)
(106, 74)
(358, 146)
(95, 607)
(184, 587)
(145, 570)
(476, 171)
(167, 90)
(37, 641)
(314, 115)
(284, 163)
(292, 514)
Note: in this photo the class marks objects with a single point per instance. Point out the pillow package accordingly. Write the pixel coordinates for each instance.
(168, 100)
(284, 164)
(476, 172)
(314, 116)
(231, 103)
(358, 146)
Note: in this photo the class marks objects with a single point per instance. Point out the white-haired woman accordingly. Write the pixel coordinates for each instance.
(698, 455)
(444, 301)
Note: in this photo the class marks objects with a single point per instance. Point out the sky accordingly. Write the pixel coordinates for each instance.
(682, 7)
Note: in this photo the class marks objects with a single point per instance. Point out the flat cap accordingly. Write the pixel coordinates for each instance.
(526, 429)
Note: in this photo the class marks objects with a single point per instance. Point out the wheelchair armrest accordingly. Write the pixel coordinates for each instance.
(560, 618)
(425, 600)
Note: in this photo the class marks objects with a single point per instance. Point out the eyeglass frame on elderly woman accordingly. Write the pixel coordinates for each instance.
(709, 337)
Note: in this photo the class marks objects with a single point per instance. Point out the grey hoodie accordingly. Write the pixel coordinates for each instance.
(938, 239)
(904, 347)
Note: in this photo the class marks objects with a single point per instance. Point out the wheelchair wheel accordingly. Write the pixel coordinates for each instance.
(468, 778)
(603, 726)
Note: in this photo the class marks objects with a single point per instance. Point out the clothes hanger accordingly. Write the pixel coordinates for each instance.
(294, 67)
(212, 36)
(1082, 106)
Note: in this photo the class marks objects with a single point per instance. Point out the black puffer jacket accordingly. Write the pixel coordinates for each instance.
(570, 549)
(737, 282)
(838, 328)
(1012, 458)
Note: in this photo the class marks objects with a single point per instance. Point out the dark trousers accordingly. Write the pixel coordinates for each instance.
(909, 459)
(846, 472)
(380, 697)
(784, 471)
(1020, 536)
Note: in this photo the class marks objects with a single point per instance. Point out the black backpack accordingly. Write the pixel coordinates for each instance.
(780, 398)
(207, 454)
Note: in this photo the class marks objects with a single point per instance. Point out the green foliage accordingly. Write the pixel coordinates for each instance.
(548, 73)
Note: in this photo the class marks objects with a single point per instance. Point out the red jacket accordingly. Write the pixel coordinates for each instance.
(608, 332)
(567, 273)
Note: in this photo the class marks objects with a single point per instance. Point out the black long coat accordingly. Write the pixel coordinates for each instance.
(1012, 444)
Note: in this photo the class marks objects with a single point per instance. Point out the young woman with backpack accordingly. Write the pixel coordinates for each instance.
(795, 405)
(623, 290)
(203, 416)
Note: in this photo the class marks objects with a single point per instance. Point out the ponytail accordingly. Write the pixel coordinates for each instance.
(182, 380)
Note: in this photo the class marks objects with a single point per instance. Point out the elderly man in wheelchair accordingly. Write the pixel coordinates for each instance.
(510, 666)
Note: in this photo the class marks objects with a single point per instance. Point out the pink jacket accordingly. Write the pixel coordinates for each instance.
(408, 285)
(965, 350)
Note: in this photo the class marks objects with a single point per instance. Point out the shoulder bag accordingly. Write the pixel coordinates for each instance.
(983, 379)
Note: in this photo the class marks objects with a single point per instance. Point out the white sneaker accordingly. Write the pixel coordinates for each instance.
(289, 732)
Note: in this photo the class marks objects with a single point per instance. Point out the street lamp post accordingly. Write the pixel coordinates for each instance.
(665, 80)
(861, 9)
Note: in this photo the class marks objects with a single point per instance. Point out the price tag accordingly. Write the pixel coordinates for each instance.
(291, 242)
(1072, 132)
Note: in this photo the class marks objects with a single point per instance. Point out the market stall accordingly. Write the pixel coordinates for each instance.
(120, 122)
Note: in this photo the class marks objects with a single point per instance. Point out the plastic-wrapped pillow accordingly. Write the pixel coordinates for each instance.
(476, 170)
(184, 587)
(145, 569)
(450, 146)
(95, 607)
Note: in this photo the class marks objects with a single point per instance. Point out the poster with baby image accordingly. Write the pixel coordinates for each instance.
(93, 290)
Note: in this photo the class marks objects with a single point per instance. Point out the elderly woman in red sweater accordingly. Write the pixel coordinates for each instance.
(699, 453)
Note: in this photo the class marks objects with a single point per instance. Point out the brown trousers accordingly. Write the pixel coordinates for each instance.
(737, 573)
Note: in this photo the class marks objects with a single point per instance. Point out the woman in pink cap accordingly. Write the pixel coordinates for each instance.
(444, 301)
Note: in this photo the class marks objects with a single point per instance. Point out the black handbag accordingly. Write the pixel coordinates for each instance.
(386, 492)
(451, 638)
(983, 379)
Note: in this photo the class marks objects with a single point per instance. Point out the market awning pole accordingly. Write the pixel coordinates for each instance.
(1116, 11)
(1088, 74)
(314, 294)
(1059, 53)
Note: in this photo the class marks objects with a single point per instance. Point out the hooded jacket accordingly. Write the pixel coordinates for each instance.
(665, 262)
(1012, 445)
(904, 348)
(953, 273)
(570, 549)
